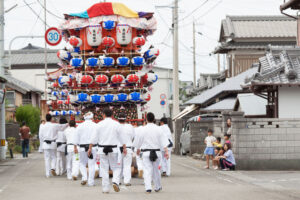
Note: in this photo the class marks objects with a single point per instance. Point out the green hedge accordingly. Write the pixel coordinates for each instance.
(31, 115)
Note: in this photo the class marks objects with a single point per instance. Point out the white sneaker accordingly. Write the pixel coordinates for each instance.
(216, 167)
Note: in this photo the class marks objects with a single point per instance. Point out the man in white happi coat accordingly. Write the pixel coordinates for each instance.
(166, 163)
(108, 138)
(84, 133)
(152, 141)
(48, 134)
(61, 149)
(41, 141)
(72, 158)
(139, 159)
(127, 132)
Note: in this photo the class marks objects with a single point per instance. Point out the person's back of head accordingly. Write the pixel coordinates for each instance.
(122, 118)
(72, 123)
(107, 112)
(48, 118)
(219, 139)
(164, 120)
(63, 120)
(23, 123)
(150, 117)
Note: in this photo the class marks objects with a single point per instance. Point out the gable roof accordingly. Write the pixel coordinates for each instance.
(246, 102)
(256, 32)
(225, 104)
(230, 85)
(258, 27)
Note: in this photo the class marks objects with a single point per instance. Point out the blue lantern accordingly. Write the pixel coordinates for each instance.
(96, 98)
(107, 61)
(92, 62)
(123, 61)
(77, 113)
(63, 80)
(109, 98)
(135, 96)
(138, 61)
(55, 93)
(76, 62)
(64, 55)
(122, 97)
(56, 113)
(109, 25)
(82, 97)
(70, 112)
(63, 113)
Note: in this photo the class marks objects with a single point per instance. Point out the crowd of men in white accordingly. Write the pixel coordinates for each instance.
(107, 145)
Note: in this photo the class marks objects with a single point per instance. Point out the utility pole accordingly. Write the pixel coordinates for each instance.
(219, 64)
(175, 60)
(2, 85)
(45, 50)
(194, 54)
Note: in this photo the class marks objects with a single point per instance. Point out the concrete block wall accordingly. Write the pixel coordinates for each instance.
(271, 144)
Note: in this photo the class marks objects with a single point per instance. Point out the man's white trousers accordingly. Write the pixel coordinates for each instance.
(151, 171)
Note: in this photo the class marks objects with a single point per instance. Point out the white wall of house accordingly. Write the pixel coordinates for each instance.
(288, 102)
(162, 86)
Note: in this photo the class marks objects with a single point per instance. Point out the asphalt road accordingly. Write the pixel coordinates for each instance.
(24, 179)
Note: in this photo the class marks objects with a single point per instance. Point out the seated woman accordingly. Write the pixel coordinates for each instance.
(227, 161)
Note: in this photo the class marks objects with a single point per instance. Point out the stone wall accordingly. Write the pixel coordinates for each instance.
(266, 144)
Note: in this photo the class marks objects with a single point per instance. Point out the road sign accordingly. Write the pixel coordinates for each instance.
(53, 36)
(163, 96)
(162, 102)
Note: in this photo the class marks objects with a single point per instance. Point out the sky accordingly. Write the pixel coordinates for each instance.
(21, 21)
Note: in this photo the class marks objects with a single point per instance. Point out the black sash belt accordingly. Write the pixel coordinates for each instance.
(60, 143)
(86, 146)
(107, 148)
(153, 156)
(49, 141)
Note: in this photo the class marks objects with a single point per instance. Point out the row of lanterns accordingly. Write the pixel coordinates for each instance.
(64, 113)
(149, 56)
(104, 79)
(107, 98)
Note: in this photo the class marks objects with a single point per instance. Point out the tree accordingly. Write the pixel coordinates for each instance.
(30, 115)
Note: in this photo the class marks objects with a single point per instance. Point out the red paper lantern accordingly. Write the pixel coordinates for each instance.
(60, 102)
(147, 97)
(101, 79)
(132, 78)
(55, 85)
(67, 102)
(117, 78)
(75, 41)
(86, 79)
(139, 41)
(108, 42)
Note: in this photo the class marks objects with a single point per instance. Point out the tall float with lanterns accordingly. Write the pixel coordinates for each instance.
(105, 63)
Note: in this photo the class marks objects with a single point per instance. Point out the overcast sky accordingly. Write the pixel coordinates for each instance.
(22, 21)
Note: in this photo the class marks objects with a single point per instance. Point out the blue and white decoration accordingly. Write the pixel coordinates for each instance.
(123, 61)
(55, 113)
(138, 61)
(95, 98)
(64, 55)
(63, 80)
(55, 93)
(109, 25)
(63, 113)
(82, 97)
(135, 96)
(63, 93)
(76, 62)
(107, 61)
(109, 98)
(151, 54)
(122, 97)
(77, 113)
(92, 62)
(70, 112)
(152, 78)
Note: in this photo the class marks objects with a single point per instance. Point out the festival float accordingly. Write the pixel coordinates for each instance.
(104, 63)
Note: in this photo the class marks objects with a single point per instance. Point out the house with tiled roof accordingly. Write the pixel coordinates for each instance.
(244, 39)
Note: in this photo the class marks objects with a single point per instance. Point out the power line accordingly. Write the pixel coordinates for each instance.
(193, 11)
(35, 13)
(51, 13)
